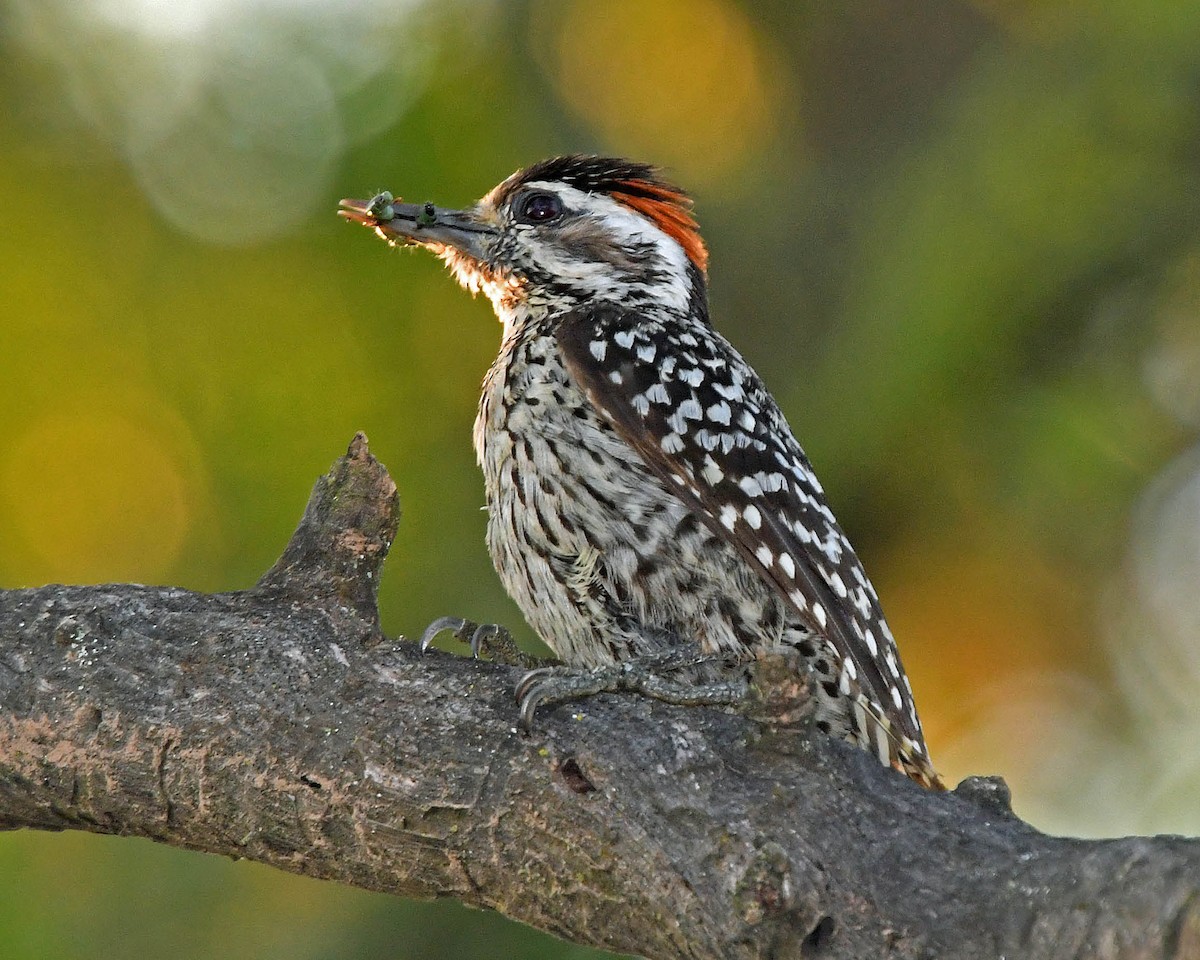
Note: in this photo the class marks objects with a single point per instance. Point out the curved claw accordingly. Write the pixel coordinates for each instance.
(536, 688)
(532, 678)
(489, 631)
(559, 684)
(462, 628)
(531, 695)
(528, 708)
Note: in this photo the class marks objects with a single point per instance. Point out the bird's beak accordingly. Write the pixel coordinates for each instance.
(423, 224)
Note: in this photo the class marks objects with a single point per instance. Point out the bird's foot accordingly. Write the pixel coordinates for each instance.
(644, 675)
(489, 640)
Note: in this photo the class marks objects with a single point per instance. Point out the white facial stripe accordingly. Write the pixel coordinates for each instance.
(630, 227)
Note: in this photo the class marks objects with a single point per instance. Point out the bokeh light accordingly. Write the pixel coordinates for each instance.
(230, 112)
(95, 493)
(692, 84)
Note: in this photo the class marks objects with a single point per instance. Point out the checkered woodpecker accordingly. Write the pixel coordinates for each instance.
(644, 489)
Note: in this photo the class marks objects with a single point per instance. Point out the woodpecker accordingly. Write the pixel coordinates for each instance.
(645, 494)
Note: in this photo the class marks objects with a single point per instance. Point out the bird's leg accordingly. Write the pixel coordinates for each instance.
(489, 640)
(645, 675)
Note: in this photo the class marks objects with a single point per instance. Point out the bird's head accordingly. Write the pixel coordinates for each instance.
(560, 233)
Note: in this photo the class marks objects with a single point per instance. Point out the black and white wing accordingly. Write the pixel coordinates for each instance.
(704, 422)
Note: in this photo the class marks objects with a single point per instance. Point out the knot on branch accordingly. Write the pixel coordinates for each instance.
(342, 540)
(990, 793)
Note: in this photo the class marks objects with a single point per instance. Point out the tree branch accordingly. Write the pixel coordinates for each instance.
(278, 724)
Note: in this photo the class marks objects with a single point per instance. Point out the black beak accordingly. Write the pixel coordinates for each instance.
(422, 224)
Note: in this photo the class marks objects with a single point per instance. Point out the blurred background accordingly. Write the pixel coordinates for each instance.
(960, 240)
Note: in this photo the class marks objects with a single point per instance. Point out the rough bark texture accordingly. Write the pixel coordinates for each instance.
(278, 724)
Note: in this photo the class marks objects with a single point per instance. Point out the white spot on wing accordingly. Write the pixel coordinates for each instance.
(624, 338)
(672, 443)
(719, 413)
(728, 516)
(753, 517)
(787, 565)
(750, 487)
(869, 640)
(598, 348)
(677, 423)
(765, 557)
(845, 677)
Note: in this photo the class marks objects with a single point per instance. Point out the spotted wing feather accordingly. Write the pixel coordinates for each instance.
(703, 421)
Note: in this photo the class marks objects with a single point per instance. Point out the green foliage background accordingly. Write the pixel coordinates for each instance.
(961, 240)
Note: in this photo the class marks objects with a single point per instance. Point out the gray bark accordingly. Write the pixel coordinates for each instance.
(278, 724)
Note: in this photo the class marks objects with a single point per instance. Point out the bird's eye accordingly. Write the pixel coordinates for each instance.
(540, 208)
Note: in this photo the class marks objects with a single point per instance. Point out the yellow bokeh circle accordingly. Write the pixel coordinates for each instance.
(684, 84)
(95, 495)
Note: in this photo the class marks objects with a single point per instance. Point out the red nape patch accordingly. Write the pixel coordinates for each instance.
(670, 211)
